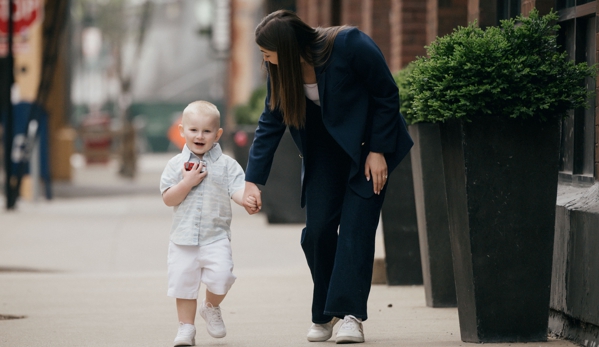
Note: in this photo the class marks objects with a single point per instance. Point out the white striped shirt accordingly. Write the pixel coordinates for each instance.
(204, 216)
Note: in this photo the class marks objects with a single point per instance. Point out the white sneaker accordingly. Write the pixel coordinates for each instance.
(214, 320)
(350, 330)
(186, 335)
(322, 332)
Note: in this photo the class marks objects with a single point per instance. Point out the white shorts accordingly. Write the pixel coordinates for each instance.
(211, 264)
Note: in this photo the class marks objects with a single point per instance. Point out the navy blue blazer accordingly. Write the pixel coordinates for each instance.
(359, 101)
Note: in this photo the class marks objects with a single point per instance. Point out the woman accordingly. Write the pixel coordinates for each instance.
(333, 89)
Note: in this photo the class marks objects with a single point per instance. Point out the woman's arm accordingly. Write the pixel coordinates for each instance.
(266, 140)
(369, 65)
(268, 134)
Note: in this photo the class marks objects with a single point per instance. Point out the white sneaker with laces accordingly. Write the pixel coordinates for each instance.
(214, 320)
(350, 330)
(186, 335)
(322, 332)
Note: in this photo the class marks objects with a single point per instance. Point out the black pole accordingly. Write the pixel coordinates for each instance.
(10, 181)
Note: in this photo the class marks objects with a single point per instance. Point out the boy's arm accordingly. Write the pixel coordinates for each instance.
(237, 183)
(174, 195)
(251, 201)
(238, 197)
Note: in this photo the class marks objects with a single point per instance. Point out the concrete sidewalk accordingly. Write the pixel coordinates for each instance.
(89, 269)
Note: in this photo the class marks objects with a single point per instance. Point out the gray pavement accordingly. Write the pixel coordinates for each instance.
(89, 269)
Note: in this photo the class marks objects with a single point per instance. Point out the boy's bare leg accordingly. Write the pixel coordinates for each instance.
(186, 310)
(214, 299)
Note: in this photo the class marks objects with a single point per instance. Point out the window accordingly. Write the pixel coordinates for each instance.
(507, 9)
(577, 36)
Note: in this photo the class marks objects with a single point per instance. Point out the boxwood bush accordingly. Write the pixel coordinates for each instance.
(405, 98)
(515, 70)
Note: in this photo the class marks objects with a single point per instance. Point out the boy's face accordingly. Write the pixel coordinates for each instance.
(200, 132)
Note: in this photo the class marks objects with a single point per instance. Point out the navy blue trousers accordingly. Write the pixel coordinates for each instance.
(340, 231)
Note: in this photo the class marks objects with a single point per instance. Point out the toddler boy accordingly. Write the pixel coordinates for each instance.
(200, 248)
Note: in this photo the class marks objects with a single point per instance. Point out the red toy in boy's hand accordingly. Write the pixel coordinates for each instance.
(189, 165)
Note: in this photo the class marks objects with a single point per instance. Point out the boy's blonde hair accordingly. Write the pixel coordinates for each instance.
(201, 107)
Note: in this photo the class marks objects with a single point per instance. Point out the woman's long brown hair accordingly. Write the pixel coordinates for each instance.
(285, 33)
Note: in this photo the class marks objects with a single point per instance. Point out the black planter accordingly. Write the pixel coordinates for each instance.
(501, 180)
(400, 228)
(281, 196)
(431, 213)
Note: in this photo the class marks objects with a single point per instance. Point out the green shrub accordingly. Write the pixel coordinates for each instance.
(515, 70)
(405, 99)
(250, 113)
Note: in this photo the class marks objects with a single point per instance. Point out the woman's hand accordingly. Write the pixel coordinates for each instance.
(252, 199)
(376, 169)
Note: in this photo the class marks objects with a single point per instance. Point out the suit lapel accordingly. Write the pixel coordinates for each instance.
(321, 79)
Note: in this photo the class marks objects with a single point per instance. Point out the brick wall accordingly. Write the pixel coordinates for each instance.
(395, 22)
(544, 6)
(431, 20)
(366, 22)
(381, 26)
(527, 5)
(324, 13)
(351, 12)
(308, 11)
(413, 31)
(315, 12)
(444, 16)
(301, 9)
(482, 11)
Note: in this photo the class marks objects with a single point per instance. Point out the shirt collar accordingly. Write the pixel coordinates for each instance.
(212, 155)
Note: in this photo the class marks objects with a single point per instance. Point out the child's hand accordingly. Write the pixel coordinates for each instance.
(251, 200)
(194, 176)
(252, 203)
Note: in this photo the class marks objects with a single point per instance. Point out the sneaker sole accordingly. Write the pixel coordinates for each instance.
(320, 339)
(193, 343)
(349, 339)
(216, 336)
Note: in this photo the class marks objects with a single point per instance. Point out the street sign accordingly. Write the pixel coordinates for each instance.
(25, 14)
